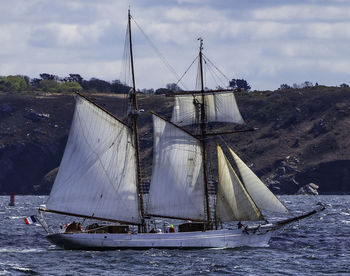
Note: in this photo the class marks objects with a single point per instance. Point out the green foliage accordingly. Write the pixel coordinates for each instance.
(15, 83)
(239, 84)
(173, 87)
(162, 91)
(4, 84)
(49, 85)
(69, 87)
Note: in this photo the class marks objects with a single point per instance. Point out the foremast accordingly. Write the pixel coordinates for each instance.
(133, 116)
(203, 132)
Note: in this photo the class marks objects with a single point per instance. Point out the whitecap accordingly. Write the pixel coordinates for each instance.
(4, 272)
(24, 269)
(345, 214)
(19, 250)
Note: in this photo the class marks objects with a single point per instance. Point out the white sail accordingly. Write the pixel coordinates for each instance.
(262, 196)
(220, 107)
(233, 203)
(177, 188)
(97, 175)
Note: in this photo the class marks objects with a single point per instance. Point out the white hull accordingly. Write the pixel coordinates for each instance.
(206, 239)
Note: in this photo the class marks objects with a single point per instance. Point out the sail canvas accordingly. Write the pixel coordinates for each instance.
(261, 195)
(219, 107)
(233, 203)
(177, 188)
(97, 175)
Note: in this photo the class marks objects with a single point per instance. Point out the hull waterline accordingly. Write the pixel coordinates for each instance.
(184, 240)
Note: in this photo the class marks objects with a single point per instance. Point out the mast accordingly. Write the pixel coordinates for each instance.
(203, 132)
(134, 120)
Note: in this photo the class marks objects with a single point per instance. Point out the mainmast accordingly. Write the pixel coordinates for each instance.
(203, 134)
(133, 113)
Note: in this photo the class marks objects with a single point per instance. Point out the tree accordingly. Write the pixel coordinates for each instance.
(284, 87)
(307, 84)
(119, 88)
(4, 84)
(35, 83)
(97, 85)
(74, 78)
(239, 84)
(173, 87)
(162, 91)
(49, 85)
(17, 83)
(69, 86)
(46, 76)
(344, 85)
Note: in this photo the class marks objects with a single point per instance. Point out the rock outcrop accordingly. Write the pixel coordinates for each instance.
(308, 189)
(302, 137)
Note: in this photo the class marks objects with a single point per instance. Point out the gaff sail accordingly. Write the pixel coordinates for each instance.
(177, 186)
(97, 176)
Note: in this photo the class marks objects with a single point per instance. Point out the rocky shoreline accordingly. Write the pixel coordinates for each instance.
(301, 145)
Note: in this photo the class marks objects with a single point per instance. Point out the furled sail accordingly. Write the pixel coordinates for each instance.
(220, 107)
(233, 203)
(97, 175)
(177, 188)
(262, 196)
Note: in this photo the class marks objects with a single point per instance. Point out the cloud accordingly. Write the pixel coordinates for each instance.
(266, 42)
(303, 12)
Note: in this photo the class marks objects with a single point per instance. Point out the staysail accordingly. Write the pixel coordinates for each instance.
(177, 188)
(262, 196)
(97, 175)
(219, 107)
(233, 203)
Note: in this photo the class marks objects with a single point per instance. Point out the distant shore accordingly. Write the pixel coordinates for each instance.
(302, 136)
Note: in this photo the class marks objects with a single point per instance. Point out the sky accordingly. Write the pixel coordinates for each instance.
(266, 42)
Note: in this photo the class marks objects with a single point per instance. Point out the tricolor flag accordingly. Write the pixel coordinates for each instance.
(30, 220)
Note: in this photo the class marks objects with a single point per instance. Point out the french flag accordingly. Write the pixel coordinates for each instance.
(30, 220)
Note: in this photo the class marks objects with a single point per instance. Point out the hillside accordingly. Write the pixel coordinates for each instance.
(302, 137)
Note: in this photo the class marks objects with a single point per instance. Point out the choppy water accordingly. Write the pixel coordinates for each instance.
(319, 245)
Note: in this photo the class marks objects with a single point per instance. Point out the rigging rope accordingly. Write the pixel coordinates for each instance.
(157, 51)
(126, 69)
(198, 78)
(214, 74)
(216, 67)
(189, 67)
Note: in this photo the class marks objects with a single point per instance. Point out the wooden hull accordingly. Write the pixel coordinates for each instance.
(205, 239)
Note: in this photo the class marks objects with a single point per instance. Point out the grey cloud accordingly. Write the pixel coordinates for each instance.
(259, 40)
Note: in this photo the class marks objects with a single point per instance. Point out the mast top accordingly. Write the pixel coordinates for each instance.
(200, 44)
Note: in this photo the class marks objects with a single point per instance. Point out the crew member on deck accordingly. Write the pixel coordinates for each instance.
(171, 229)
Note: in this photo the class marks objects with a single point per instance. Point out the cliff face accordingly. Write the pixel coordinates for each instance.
(302, 137)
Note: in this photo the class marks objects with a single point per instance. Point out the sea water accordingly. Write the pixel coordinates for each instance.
(319, 245)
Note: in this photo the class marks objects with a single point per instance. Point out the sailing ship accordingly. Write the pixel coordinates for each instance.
(100, 179)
